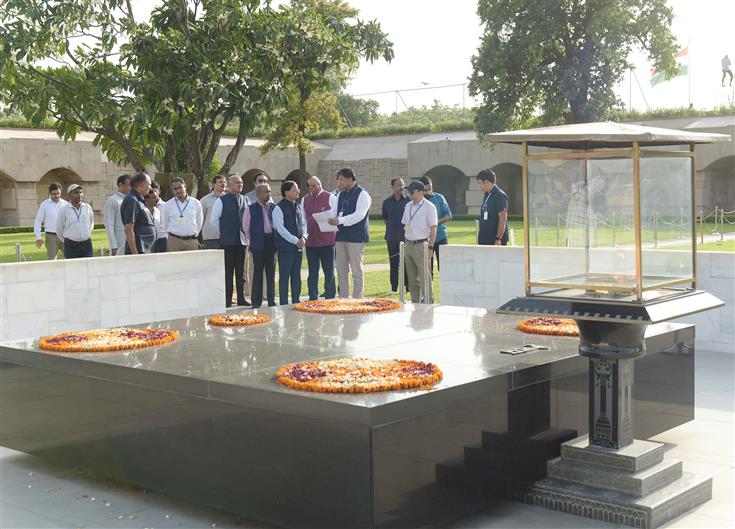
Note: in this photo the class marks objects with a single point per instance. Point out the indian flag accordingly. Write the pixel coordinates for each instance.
(682, 69)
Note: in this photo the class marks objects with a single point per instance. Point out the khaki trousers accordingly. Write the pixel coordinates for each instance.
(175, 244)
(349, 258)
(53, 246)
(416, 271)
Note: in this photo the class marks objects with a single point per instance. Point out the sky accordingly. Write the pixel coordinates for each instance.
(434, 41)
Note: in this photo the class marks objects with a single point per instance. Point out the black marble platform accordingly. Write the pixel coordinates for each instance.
(203, 419)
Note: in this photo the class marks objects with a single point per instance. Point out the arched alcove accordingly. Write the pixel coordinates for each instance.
(510, 179)
(9, 214)
(62, 175)
(248, 176)
(718, 186)
(452, 183)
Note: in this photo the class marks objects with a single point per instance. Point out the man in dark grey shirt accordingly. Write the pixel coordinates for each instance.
(392, 213)
(140, 228)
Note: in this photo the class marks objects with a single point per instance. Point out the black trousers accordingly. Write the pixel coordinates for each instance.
(74, 249)
(234, 263)
(264, 259)
(394, 247)
(437, 244)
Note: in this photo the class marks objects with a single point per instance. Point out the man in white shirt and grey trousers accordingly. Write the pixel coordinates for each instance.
(48, 214)
(75, 224)
(420, 223)
(112, 219)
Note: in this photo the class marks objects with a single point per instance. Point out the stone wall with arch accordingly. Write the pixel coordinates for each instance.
(9, 213)
(453, 184)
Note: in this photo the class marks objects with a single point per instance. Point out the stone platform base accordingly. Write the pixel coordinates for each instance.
(633, 486)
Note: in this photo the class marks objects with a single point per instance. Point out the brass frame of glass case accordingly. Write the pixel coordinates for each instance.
(635, 154)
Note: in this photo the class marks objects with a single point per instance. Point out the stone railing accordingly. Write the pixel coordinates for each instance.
(46, 297)
(488, 276)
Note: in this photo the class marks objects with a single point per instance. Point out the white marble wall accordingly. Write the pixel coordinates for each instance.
(47, 297)
(488, 276)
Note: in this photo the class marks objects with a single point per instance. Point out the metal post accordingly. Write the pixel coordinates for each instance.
(477, 232)
(401, 270)
(614, 243)
(722, 224)
(655, 228)
(426, 279)
(558, 227)
(18, 253)
(681, 223)
(535, 231)
(701, 226)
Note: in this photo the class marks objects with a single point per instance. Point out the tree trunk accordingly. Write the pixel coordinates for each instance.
(302, 161)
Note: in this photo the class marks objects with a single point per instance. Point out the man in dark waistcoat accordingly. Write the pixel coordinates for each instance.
(493, 211)
(291, 234)
(257, 223)
(227, 217)
(350, 214)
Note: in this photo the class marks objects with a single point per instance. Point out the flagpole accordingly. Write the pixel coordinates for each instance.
(689, 74)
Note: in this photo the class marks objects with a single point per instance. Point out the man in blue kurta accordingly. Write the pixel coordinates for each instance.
(289, 222)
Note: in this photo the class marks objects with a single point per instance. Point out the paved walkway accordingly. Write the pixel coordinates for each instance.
(37, 494)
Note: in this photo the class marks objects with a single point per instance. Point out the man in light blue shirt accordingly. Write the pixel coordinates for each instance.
(444, 214)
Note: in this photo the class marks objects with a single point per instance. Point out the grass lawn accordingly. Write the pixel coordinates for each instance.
(460, 232)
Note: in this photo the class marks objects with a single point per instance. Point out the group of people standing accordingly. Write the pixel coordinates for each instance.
(255, 233)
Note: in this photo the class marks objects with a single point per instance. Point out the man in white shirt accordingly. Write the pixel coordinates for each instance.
(420, 220)
(161, 235)
(210, 234)
(112, 219)
(48, 214)
(183, 219)
(75, 224)
(350, 214)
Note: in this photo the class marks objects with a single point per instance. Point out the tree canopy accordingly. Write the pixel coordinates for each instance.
(558, 61)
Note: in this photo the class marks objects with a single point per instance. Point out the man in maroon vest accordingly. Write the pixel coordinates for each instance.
(319, 245)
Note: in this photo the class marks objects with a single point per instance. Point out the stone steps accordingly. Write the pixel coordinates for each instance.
(633, 458)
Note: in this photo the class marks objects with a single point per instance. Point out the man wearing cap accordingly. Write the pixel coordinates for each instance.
(420, 221)
(140, 228)
(75, 224)
(183, 219)
(48, 215)
(493, 212)
(350, 214)
(112, 219)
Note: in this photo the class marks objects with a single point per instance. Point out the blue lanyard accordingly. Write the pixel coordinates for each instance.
(75, 212)
(181, 211)
(484, 203)
(410, 208)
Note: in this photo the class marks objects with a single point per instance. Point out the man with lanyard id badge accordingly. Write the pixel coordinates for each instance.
(183, 219)
(420, 221)
(493, 212)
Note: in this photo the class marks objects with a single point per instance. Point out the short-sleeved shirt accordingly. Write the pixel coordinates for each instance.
(419, 219)
(493, 203)
(133, 211)
(442, 209)
(392, 212)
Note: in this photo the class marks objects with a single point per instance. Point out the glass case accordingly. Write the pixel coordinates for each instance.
(609, 222)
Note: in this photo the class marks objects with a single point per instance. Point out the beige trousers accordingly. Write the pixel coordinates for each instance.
(349, 259)
(53, 246)
(416, 271)
(175, 244)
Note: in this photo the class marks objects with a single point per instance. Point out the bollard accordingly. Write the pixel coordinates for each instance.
(722, 224)
(701, 225)
(614, 243)
(558, 228)
(18, 253)
(535, 231)
(401, 271)
(681, 223)
(426, 279)
(477, 232)
(655, 229)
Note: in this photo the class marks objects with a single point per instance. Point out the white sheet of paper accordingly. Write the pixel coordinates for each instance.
(322, 219)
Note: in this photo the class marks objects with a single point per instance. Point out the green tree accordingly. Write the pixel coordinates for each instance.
(323, 42)
(60, 60)
(557, 61)
(358, 112)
